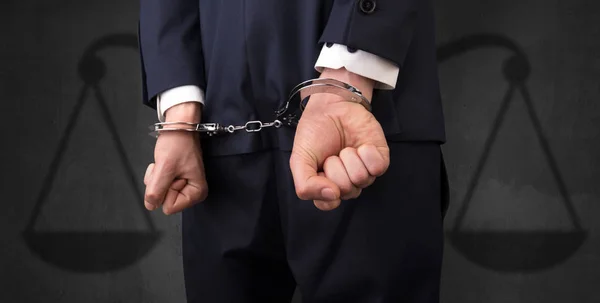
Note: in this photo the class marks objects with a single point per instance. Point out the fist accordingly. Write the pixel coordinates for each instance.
(176, 180)
(339, 149)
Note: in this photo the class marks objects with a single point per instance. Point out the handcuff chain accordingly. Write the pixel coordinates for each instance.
(212, 129)
(302, 91)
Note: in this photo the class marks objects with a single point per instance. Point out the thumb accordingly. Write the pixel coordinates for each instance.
(309, 185)
(159, 184)
(148, 175)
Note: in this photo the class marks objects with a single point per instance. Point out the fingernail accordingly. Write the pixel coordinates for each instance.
(149, 206)
(328, 194)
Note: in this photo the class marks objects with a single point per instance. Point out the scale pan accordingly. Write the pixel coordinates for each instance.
(517, 251)
(91, 252)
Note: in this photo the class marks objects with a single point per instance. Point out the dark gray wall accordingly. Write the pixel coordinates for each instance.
(522, 225)
(543, 159)
(43, 44)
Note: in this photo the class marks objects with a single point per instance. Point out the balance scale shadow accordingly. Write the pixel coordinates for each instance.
(91, 252)
(517, 251)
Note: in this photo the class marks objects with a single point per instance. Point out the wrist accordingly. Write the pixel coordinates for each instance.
(364, 85)
(190, 112)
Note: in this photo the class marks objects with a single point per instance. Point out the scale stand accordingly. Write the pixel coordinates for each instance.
(512, 251)
(89, 251)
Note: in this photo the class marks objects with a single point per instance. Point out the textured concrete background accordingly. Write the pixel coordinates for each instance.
(515, 242)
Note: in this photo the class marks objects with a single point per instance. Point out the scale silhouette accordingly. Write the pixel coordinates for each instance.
(90, 251)
(512, 251)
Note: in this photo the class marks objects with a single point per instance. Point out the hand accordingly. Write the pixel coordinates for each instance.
(339, 147)
(177, 180)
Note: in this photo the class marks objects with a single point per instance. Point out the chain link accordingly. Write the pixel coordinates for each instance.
(253, 126)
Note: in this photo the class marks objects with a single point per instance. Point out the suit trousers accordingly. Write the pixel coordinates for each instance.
(253, 240)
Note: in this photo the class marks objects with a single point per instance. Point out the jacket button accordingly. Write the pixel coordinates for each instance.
(329, 44)
(351, 49)
(366, 6)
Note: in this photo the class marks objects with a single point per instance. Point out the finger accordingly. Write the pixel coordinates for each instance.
(309, 185)
(172, 194)
(326, 205)
(147, 178)
(188, 196)
(162, 177)
(148, 174)
(356, 169)
(149, 206)
(376, 160)
(335, 171)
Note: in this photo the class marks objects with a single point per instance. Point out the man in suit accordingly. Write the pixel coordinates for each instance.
(372, 231)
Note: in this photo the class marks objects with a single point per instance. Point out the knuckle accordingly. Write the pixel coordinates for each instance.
(203, 195)
(330, 162)
(346, 153)
(379, 168)
(346, 187)
(199, 195)
(360, 178)
(352, 195)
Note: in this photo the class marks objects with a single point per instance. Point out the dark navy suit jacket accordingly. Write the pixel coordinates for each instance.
(248, 54)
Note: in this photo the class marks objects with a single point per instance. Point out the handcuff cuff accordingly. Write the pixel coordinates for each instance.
(283, 117)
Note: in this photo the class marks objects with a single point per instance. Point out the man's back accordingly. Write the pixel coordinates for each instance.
(255, 51)
(332, 205)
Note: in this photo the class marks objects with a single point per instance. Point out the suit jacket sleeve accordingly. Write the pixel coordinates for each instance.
(381, 27)
(170, 46)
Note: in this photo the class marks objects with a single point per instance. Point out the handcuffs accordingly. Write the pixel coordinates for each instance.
(283, 117)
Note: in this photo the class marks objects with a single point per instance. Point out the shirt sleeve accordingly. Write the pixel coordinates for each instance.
(382, 71)
(175, 96)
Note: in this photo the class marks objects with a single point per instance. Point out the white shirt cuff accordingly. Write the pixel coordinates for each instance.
(383, 71)
(177, 95)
